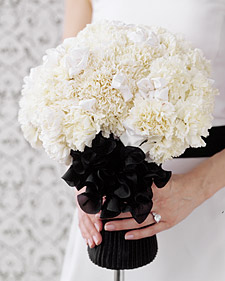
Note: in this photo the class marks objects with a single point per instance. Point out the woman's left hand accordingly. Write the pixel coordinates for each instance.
(174, 202)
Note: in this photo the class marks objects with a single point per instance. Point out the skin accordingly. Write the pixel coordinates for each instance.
(90, 226)
(78, 13)
(176, 200)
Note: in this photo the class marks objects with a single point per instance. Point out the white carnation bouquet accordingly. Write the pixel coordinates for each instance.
(117, 101)
(143, 84)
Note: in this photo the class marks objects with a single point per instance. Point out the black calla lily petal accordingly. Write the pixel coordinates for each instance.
(123, 191)
(95, 181)
(126, 208)
(106, 214)
(89, 203)
(103, 145)
(89, 156)
(163, 180)
(133, 155)
(113, 204)
(78, 166)
(75, 154)
(72, 179)
(141, 211)
(148, 179)
(130, 176)
(107, 176)
(68, 177)
(142, 197)
(91, 188)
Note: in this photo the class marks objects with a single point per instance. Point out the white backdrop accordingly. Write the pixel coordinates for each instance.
(36, 206)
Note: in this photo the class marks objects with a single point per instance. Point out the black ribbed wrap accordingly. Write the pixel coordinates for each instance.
(117, 253)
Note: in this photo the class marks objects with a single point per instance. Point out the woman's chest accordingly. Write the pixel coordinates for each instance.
(200, 20)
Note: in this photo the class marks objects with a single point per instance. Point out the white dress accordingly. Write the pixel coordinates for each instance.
(193, 250)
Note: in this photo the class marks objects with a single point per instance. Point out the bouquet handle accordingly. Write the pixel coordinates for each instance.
(119, 275)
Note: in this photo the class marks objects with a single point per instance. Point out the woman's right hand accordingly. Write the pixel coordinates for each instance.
(90, 227)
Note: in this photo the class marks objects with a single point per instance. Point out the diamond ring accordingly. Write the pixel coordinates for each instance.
(157, 217)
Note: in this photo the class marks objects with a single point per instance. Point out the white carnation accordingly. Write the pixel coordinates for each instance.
(76, 60)
(143, 84)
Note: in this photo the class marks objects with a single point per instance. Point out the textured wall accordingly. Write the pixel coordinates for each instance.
(35, 205)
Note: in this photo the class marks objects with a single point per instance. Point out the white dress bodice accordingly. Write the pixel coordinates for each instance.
(202, 22)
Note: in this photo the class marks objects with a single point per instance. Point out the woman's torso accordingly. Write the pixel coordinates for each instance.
(201, 21)
(194, 249)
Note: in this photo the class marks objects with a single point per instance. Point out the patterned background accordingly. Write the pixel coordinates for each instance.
(36, 206)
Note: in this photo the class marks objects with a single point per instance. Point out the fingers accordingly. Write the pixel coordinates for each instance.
(128, 224)
(97, 222)
(90, 228)
(146, 232)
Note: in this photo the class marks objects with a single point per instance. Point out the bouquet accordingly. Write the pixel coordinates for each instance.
(116, 102)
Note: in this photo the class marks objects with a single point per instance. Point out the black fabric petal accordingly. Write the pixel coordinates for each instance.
(69, 177)
(72, 179)
(108, 177)
(141, 211)
(133, 155)
(89, 203)
(159, 176)
(126, 208)
(143, 197)
(130, 176)
(95, 181)
(88, 157)
(162, 180)
(113, 204)
(123, 191)
(106, 214)
(103, 146)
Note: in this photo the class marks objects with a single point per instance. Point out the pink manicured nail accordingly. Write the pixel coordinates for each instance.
(129, 237)
(90, 243)
(109, 227)
(97, 227)
(97, 216)
(96, 240)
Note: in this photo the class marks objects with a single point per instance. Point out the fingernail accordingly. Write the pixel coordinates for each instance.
(97, 216)
(109, 227)
(96, 240)
(128, 237)
(90, 243)
(97, 227)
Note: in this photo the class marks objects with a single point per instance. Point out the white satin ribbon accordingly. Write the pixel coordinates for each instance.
(120, 82)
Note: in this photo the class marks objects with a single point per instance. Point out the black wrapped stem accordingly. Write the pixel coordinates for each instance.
(118, 254)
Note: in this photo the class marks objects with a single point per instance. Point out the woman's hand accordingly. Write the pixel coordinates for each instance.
(174, 202)
(90, 227)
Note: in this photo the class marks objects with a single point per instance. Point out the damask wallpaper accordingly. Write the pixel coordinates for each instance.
(36, 206)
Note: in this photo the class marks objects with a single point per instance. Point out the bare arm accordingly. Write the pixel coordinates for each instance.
(78, 13)
(209, 176)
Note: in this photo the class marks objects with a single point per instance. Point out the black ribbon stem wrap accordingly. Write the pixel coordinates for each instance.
(117, 173)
